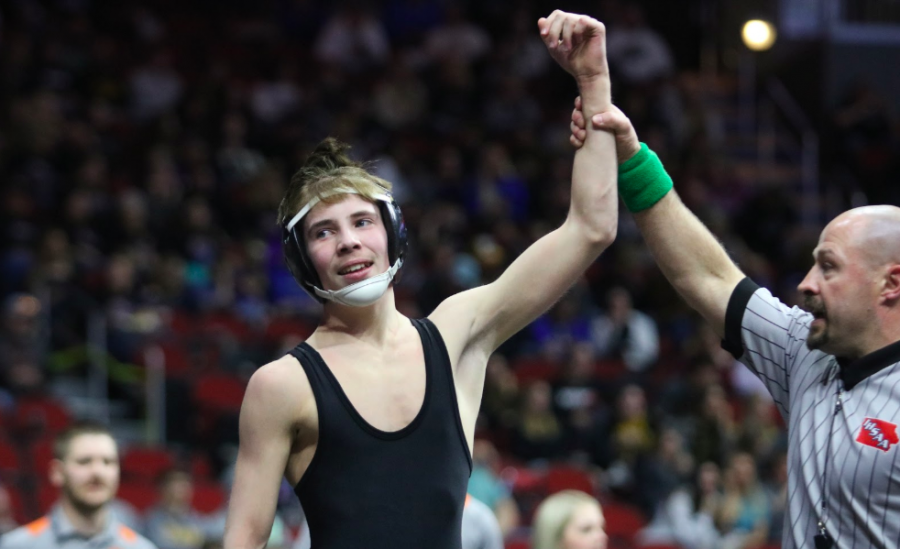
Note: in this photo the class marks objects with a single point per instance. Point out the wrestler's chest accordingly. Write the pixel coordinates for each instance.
(386, 389)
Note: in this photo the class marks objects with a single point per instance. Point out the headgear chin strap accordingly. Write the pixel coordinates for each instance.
(359, 294)
(362, 293)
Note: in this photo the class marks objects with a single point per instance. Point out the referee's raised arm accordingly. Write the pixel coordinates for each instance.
(687, 252)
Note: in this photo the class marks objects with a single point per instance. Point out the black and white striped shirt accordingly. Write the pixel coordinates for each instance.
(842, 423)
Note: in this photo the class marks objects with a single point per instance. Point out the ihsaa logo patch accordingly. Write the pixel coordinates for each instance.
(878, 434)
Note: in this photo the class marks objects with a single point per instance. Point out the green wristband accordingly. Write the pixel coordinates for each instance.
(643, 180)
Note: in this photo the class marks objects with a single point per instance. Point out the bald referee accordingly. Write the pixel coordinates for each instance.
(832, 367)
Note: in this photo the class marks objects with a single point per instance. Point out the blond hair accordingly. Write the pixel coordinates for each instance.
(552, 516)
(325, 173)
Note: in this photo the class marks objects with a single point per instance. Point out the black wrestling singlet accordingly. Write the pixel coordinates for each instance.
(371, 489)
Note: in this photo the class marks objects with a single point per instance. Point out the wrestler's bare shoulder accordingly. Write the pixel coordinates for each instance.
(282, 383)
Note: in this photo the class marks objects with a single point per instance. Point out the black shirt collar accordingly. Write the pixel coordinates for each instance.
(853, 372)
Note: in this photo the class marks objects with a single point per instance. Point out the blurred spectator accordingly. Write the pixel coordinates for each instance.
(626, 333)
(745, 512)
(22, 377)
(629, 433)
(708, 491)
(238, 164)
(127, 514)
(635, 51)
(353, 39)
(666, 469)
(526, 51)
(457, 37)
(624, 449)
(686, 516)
(7, 521)
(500, 401)
(279, 537)
(20, 338)
(511, 108)
(569, 520)
(500, 192)
(539, 434)
(682, 397)
(760, 433)
(567, 323)
(172, 523)
(276, 96)
(407, 21)
(480, 529)
(455, 95)
(578, 397)
(85, 470)
(400, 100)
(486, 486)
(865, 136)
(777, 487)
(449, 272)
(21, 372)
(746, 384)
(155, 87)
(715, 432)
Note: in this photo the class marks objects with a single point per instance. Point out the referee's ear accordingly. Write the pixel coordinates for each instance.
(891, 289)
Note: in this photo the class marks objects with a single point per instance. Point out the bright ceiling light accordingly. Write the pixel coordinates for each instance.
(758, 35)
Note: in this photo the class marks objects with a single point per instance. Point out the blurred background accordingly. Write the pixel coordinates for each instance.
(145, 146)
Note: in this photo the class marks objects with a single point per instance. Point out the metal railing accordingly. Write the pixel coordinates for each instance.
(83, 374)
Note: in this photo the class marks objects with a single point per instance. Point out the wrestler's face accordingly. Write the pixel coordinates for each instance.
(346, 240)
(88, 475)
(585, 530)
(839, 291)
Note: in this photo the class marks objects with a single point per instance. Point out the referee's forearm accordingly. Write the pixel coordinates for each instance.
(690, 257)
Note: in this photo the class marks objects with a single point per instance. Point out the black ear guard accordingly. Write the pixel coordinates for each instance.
(298, 260)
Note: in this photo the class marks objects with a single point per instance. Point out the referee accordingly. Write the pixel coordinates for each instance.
(832, 367)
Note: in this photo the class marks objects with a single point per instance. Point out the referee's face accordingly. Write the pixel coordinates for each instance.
(839, 291)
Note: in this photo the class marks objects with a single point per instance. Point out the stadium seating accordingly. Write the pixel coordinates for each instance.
(146, 462)
(38, 415)
(622, 522)
(563, 477)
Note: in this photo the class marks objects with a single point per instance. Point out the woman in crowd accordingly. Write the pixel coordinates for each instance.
(569, 520)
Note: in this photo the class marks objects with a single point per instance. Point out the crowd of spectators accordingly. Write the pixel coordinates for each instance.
(144, 148)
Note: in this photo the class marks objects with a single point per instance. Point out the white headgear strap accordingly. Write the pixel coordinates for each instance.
(316, 199)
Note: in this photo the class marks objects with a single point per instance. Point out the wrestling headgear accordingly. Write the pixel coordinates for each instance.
(359, 294)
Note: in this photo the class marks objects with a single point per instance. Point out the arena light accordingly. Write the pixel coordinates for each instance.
(758, 35)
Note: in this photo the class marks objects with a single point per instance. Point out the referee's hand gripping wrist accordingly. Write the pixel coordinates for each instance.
(642, 179)
(613, 120)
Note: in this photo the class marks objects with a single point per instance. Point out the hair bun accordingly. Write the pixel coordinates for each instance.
(330, 154)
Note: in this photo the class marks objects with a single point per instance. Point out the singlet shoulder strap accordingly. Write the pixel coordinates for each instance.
(444, 388)
(312, 365)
